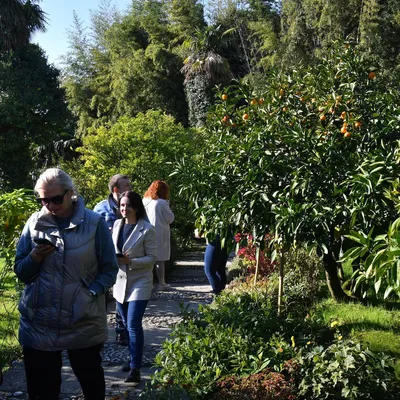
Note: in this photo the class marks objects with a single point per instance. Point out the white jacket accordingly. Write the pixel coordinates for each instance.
(135, 280)
(160, 216)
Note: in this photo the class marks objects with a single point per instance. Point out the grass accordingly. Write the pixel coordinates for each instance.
(375, 326)
(9, 316)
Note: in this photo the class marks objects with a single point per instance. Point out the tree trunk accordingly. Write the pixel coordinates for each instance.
(281, 276)
(332, 278)
(257, 264)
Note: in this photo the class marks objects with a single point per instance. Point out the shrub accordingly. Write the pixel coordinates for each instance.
(239, 334)
(266, 385)
(247, 254)
(344, 370)
(303, 281)
(235, 269)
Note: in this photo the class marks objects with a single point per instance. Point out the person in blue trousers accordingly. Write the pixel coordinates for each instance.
(108, 209)
(215, 258)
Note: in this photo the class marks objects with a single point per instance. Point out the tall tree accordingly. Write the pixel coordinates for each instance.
(86, 71)
(18, 20)
(145, 70)
(203, 69)
(33, 113)
(186, 17)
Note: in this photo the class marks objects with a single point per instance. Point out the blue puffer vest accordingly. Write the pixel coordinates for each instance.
(57, 310)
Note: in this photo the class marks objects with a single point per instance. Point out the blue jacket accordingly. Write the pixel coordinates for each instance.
(108, 209)
(58, 311)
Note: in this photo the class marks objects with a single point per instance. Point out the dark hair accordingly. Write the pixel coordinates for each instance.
(114, 181)
(135, 201)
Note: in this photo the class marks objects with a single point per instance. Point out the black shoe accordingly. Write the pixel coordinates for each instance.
(126, 368)
(133, 377)
(121, 339)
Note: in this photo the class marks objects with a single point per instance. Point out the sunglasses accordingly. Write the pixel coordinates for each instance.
(57, 200)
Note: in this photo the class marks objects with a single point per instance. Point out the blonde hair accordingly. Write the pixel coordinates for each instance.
(56, 176)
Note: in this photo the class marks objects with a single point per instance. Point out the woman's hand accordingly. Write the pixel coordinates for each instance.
(123, 260)
(40, 251)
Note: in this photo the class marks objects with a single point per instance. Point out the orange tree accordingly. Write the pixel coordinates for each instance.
(308, 157)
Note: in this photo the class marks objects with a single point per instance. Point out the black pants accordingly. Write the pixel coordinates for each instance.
(43, 372)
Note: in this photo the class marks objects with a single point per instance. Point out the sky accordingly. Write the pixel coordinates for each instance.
(59, 19)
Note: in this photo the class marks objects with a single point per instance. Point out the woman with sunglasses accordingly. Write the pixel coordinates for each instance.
(66, 258)
(135, 244)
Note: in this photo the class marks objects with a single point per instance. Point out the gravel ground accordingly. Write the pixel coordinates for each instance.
(188, 272)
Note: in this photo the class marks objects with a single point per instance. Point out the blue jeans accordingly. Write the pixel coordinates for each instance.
(132, 314)
(215, 260)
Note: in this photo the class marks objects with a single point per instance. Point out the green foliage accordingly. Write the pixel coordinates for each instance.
(15, 208)
(376, 326)
(302, 282)
(19, 20)
(234, 336)
(239, 346)
(309, 27)
(300, 158)
(376, 262)
(144, 148)
(186, 18)
(33, 113)
(199, 97)
(344, 370)
(123, 67)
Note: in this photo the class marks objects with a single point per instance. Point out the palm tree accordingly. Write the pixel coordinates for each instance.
(18, 20)
(203, 69)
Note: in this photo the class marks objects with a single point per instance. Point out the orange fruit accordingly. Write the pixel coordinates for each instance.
(302, 99)
(284, 109)
(372, 75)
(281, 92)
(343, 129)
(224, 97)
(347, 135)
(246, 116)
(261, 101)
(322, 117)
(254, 102)
(343, 115)
(320, 108)
(358, 124)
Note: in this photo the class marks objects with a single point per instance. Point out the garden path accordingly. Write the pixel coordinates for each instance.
(188, 286)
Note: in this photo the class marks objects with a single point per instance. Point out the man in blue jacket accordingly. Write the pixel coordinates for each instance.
(108, 209)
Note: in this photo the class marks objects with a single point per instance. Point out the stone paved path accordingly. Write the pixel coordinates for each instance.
(188, 285)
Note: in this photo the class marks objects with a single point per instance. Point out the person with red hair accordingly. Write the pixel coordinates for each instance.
(156, 203)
